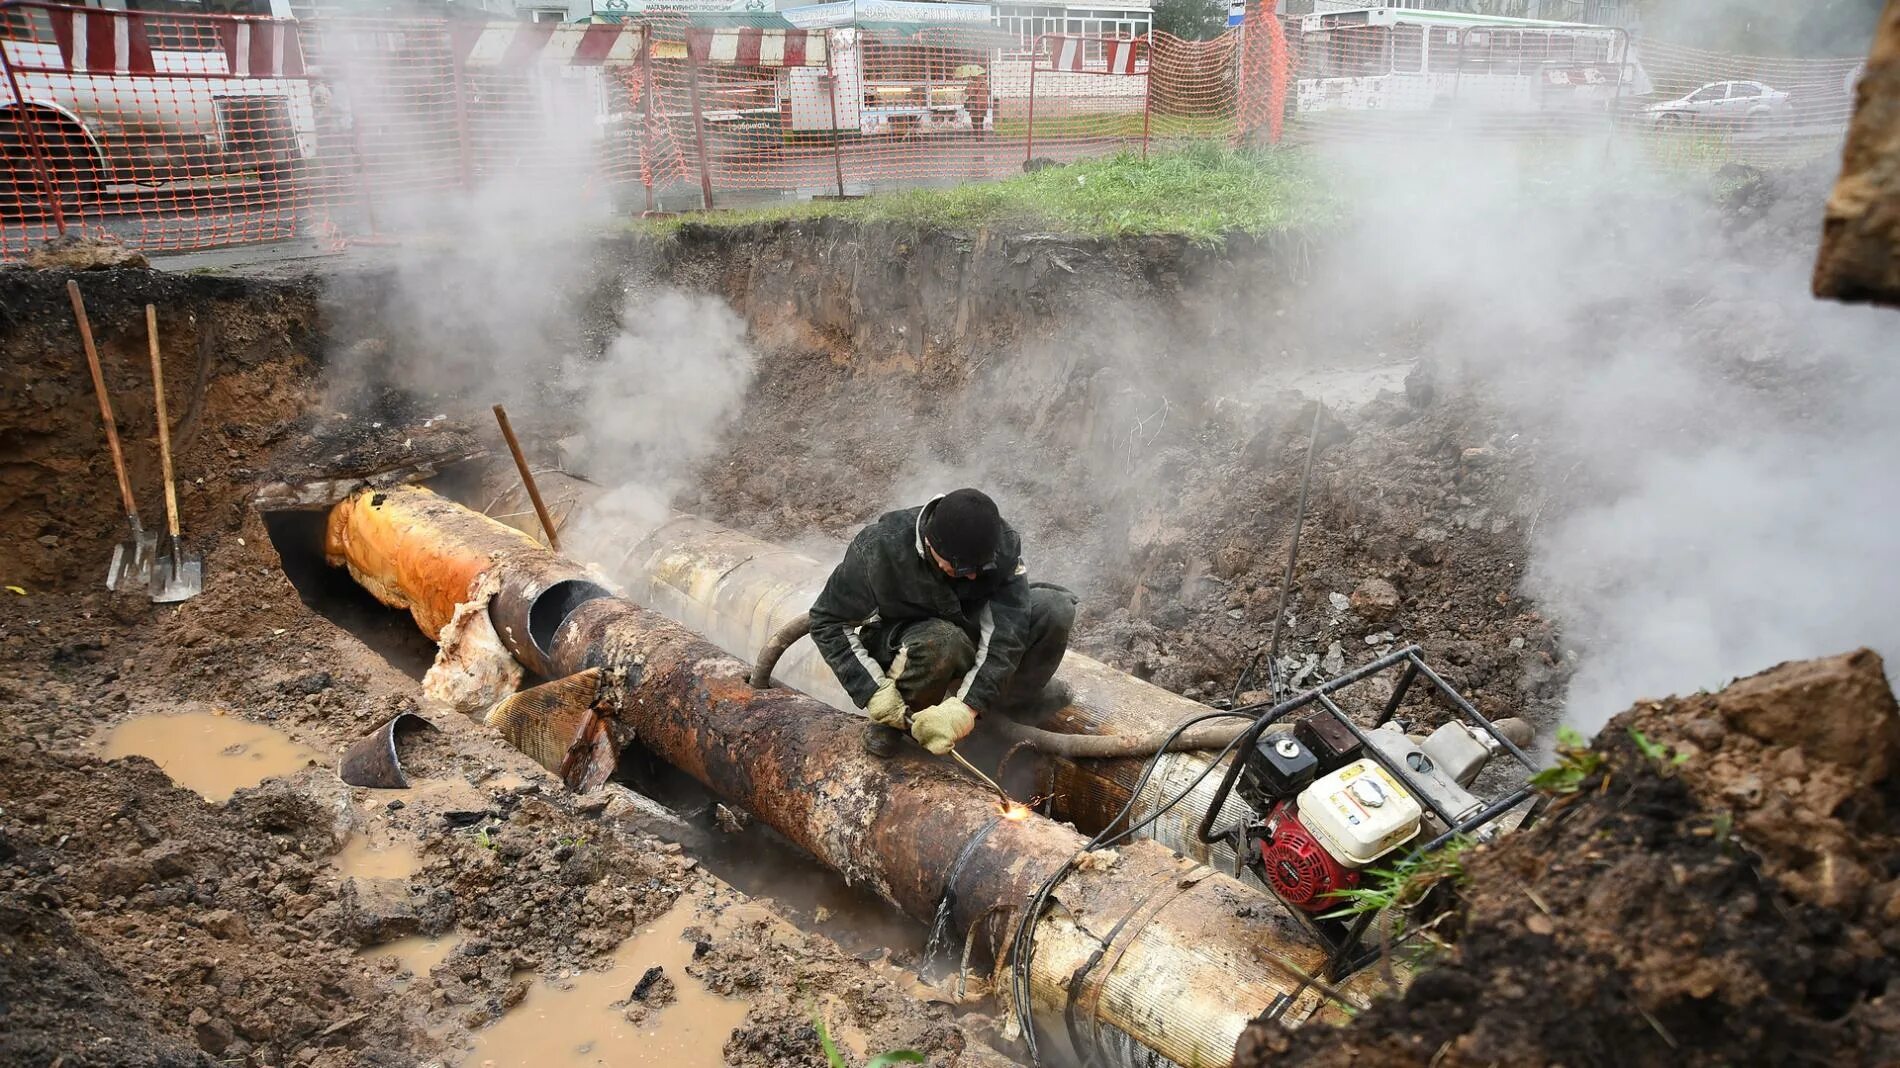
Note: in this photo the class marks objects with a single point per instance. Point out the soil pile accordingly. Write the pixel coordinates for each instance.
(1723, 887)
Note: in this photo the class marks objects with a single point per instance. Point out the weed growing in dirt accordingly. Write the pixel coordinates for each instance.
(1406, 883)
(882, 1060)
(1576, 762)
(1656, 751)
(1203, 192)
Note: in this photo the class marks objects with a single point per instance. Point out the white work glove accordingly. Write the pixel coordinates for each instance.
(941, 726)
(887, 705)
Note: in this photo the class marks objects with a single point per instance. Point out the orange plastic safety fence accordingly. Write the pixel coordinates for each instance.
(177, 131)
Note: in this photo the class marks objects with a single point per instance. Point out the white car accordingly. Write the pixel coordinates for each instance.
(1722, 104)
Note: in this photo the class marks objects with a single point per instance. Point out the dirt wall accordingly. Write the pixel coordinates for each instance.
(1860, 246)
(237, 360)
(1142, 408)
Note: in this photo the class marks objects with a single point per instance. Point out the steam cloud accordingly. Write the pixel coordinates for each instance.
(496, 291)
(1717, 444)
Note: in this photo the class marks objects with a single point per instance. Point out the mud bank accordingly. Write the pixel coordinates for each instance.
(1718, 889)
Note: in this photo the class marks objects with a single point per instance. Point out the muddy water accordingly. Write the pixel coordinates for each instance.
(579, 1022)
(211, 753)
(377, 854)
(418, 954)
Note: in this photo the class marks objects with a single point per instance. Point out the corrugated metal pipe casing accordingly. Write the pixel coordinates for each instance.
(1145, 957)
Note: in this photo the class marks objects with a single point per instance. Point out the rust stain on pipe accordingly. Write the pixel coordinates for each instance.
(1149, 959)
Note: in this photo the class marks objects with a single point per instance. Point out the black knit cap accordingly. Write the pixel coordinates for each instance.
(965, 529)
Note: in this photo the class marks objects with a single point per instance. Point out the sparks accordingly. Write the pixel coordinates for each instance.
(1014, 811)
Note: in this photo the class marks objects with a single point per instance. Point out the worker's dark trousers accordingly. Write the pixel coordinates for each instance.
(941, 653)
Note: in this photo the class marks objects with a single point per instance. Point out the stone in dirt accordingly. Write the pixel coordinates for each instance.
(1376, 600)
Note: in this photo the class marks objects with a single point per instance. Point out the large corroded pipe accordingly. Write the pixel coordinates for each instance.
(738, 591)
(1146, 957)
(416, 550)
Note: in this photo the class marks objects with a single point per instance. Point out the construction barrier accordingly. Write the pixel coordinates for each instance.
(183, 131)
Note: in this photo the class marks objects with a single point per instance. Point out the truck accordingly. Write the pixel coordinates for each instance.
(94, 99)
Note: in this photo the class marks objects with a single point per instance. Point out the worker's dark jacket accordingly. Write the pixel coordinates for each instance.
(887, 580)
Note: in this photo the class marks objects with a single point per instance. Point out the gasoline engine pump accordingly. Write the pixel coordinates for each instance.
(1329, 808)
(1331, 798)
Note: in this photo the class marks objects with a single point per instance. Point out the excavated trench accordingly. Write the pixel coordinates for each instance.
(1149, 464)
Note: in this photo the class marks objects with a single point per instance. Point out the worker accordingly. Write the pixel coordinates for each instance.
(945, 585)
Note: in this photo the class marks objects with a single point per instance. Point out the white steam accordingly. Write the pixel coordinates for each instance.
(1718, 445)
(504, 289)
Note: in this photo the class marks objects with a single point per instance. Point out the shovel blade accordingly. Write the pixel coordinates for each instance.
(132, 562)
(178, 576)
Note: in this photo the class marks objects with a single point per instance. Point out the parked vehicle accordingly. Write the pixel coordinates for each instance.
(151, 126)
(1405, 59)
(1722, 104)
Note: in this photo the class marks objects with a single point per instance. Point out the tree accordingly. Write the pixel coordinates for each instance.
(1192, 20)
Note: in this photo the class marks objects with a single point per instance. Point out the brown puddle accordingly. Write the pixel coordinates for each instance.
(579, 1024)
(418, 954)
(210, 753)
(377, 854)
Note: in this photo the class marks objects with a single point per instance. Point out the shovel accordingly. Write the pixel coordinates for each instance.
(132, 558)
(179, 573)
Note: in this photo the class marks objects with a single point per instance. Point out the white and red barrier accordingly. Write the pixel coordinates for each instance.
(517, 45)
(751, 46)
(1070, 53)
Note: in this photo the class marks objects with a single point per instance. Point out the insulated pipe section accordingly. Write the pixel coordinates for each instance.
(739, 591)
(445, 549)
(1146, 958)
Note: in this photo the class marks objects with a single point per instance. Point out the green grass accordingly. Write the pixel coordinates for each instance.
(1117, 124)
(1203, 192)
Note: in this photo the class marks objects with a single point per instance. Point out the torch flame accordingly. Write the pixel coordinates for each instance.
(1014, 811)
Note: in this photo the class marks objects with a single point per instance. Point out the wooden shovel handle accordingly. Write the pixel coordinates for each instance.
(164, 424)
(105, 402)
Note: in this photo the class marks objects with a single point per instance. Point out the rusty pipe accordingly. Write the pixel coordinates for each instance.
(1151, 958)
(430, 575)
(740, 592)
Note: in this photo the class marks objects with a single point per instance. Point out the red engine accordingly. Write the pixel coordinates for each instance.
(1296, 865)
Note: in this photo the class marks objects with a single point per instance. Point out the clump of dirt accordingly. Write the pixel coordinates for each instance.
(1723, 887)
(214, 917)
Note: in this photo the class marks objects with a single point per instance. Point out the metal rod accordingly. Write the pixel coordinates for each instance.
(1292, 554)
(1029, 128)
(1398, 693)
(527, 478)
(646, 116)
(837, 127)
(696, 41)
(1147, 98)
(37, 148)
(1008, 801)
